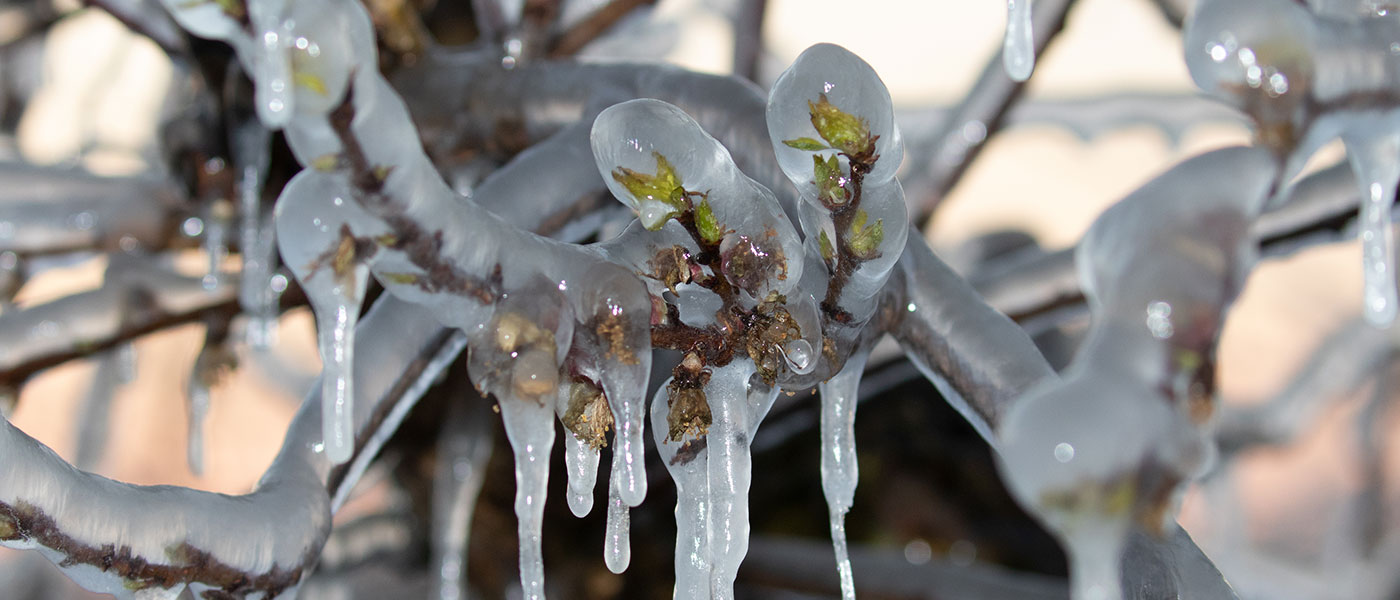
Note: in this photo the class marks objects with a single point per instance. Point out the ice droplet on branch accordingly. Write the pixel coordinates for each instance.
(1018, 47)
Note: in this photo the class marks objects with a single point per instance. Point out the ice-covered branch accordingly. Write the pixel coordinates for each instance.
(49, 210)
(1104, 450)
(142, 301)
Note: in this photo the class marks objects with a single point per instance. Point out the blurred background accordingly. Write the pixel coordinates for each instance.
(1287, 519)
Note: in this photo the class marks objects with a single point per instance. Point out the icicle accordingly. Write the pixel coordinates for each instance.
(729, 467)
(1376, 161)
(1094, 570)
(1018, 48)
(530, 428)
(838, 463)
(95, 419)
(257, 238)
(216, 241)
(580, 458)
(464, 448)
(686, 462)
(335, 331)
(617, 545)
(331, 265)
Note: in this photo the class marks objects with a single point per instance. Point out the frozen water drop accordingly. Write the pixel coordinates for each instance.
(617, 545)
(1018, 48)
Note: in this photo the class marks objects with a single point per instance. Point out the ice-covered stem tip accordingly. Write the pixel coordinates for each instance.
(1106, 449)
(1306, 78)
(831, 124)
(733, 274)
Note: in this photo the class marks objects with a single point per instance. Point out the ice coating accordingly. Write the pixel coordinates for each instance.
(839, 468)
(322, 251)
(1104, 450)
(617, 545)
(831, 123)
(1018, 47)
(849, 84)
(581, 468)
(642, 136)
(1306, 78)
(729, 467)
(686, 462)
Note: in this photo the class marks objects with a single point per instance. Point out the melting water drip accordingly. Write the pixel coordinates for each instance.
(839, 469)
(1018, 48)
(617, 545)
(1376, 161)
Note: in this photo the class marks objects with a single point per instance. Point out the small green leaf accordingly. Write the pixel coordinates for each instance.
(824, 244)
(806, 143)
(830, 181)
(664, 186)
(844, 131)
(710, 229)
(865, 240)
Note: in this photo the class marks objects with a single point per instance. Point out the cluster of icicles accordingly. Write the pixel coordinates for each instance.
(563, 332)
(557, 331)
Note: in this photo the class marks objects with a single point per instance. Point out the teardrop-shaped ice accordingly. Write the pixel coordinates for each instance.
(1018, 47)
(824, 83)
(330, 262)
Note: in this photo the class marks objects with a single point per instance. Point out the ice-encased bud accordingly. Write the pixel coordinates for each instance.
(651, 154)
(321, 56)
(1093, 457)
(656, 159)
(1240, 50)
(848, 84)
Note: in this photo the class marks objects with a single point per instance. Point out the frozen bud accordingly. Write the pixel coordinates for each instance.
(830, 102)
(534, 374)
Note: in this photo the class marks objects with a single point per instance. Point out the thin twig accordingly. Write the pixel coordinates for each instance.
(748, 38)
(595, 25)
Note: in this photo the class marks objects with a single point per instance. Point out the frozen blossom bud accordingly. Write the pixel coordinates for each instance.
(831, 102)
(656, 159)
